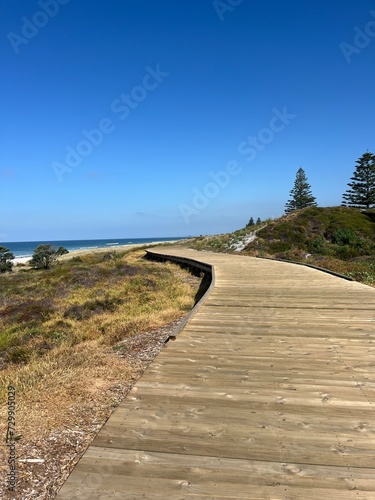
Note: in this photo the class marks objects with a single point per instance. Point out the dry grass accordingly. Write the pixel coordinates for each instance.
(103, 297)
(72, 342)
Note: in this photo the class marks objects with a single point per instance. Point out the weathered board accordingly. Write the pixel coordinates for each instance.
(267, 393)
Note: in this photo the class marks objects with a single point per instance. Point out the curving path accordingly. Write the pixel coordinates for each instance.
(267, 393)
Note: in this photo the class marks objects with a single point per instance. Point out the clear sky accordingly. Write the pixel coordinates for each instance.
(141, 118)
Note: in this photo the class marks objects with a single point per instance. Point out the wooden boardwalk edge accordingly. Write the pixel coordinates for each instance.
(199, 265)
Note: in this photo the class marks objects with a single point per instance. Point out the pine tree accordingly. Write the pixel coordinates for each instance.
(258, 221)
(362, 190)
(250, 223)
(301, 195)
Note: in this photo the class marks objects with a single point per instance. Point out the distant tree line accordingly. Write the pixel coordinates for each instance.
(252, 223)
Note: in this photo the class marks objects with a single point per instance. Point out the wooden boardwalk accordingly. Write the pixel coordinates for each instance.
(267, 393)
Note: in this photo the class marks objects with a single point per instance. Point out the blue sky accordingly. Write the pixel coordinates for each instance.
(118, 116)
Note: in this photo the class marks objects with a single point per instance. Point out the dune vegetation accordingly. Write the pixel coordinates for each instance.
(340, 239)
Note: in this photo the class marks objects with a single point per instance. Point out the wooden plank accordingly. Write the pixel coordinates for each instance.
(203, 477)
(268, 392)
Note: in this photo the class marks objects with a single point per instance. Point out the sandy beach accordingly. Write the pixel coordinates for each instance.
(115, 248)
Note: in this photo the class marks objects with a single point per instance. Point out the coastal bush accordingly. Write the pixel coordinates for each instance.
(344, 236)
(290, 234)
(346, 252)
(45, 255)
(317, 245)
(6, 258)
(279, 246)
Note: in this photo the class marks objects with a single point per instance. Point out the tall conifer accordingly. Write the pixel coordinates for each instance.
(301, 195)
(361, 192)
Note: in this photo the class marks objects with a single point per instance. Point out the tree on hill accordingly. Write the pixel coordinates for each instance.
(362, 190)
(301, 196)
(258, 221)
(6, 258)
(45, 255)
(250, 223)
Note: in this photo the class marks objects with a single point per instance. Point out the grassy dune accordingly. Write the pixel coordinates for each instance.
(102, 297)
(337, 238)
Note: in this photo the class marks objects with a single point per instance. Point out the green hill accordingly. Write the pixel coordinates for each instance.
(337, 238)
(341, 232)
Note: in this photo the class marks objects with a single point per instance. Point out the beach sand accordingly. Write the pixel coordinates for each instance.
(20, 260)
(116, 248)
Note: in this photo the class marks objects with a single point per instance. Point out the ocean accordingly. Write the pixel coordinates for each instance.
(26, 248)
